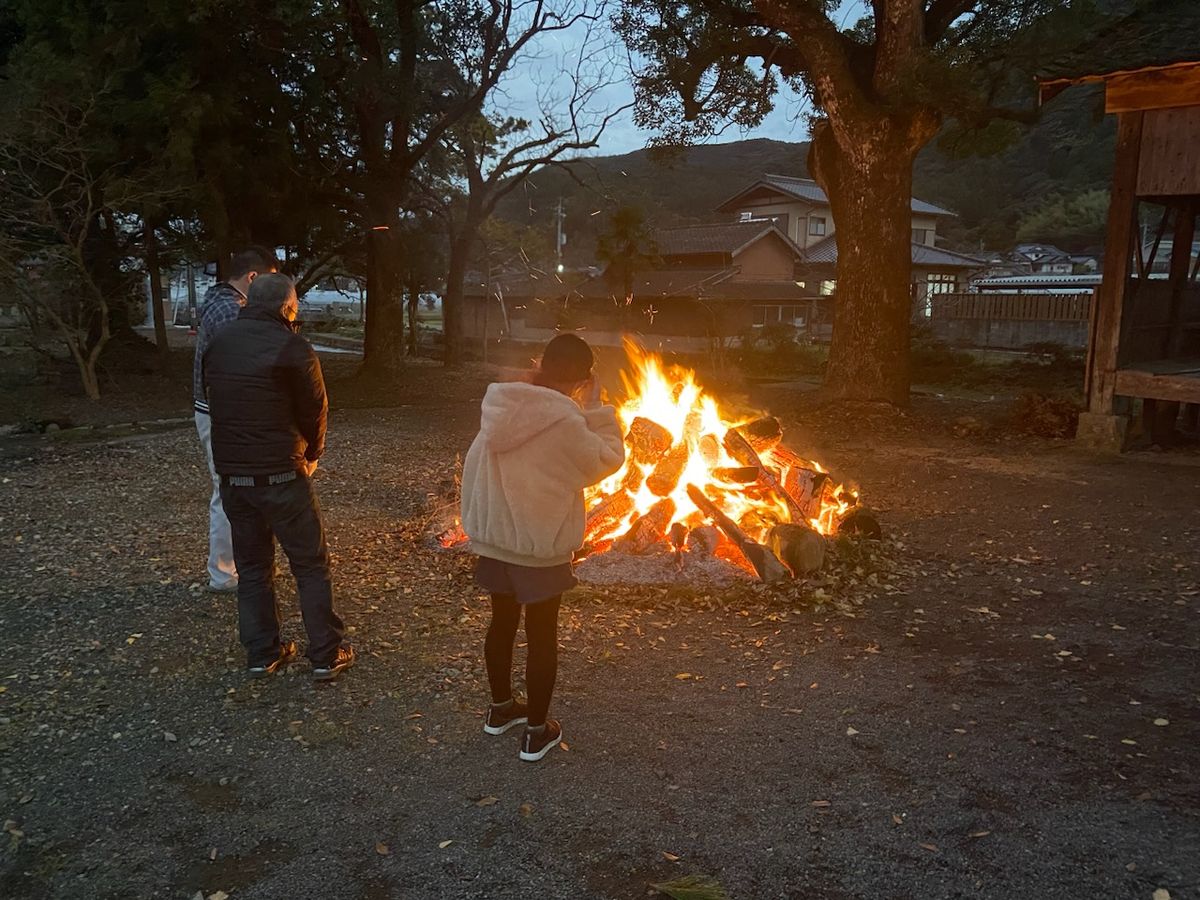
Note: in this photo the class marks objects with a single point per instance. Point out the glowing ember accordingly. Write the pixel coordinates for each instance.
(677, 436)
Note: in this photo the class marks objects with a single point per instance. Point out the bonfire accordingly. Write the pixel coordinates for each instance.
(701, 484)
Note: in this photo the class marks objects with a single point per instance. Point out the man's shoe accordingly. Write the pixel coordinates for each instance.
(287, 652)
(344, 659)
(537, 743)
(509, 715)
(229, 587)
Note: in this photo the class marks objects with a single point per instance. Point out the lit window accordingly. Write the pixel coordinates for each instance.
(816, 225)
(828, 287)
(745, 217)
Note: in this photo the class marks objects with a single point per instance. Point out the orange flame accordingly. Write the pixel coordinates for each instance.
(672, 398)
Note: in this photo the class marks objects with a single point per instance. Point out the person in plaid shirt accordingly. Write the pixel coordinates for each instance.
(222, 303)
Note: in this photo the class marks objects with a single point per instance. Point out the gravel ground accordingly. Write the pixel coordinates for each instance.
(999, 703)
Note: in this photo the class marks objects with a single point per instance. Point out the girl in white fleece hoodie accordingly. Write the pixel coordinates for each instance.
(522, 506)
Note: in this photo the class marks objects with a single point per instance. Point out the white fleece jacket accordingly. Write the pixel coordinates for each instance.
(523, 478)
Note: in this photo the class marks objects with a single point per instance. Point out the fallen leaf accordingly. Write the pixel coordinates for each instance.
(444, 844)
(1161, 722)
(1131, 743)
(851, 731)
(218, 895)
(896, 820)
(415, 715)
(1162, 894)
(979, 834)
(383, 849)
(525, 810)
(169, 737)
(670, 857)
(212, 855)
(932, 848)
(487, 801)
(683, 676)
(821, 804)
(562, 745)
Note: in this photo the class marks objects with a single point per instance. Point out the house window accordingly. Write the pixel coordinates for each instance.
(941, 283)
(936, 283)
(816, 226)
(921, 236)
(828, 287)
(746, 216)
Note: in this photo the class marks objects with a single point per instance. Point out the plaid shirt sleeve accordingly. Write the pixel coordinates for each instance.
(220, 308)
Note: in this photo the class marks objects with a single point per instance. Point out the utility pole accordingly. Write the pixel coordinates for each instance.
(559, 237)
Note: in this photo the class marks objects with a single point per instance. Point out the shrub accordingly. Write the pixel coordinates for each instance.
(1044, 416)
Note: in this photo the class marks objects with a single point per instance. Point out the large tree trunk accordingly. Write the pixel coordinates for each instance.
(383, 338)
(452, 300)
(869, 185)
(156, 295)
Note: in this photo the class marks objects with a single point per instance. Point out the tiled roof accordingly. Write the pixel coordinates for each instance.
(722, 237)
(1157, 33)
(656, 283)
(808, 190)
(825, 252)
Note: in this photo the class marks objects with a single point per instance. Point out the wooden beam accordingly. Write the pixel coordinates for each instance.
(1148, 386)
(1118, 246)
(1153, 89)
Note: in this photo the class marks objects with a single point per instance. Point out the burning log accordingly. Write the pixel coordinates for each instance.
(607, 513)
(763, 434)
(705, 539)
(648, 440)
(648, 530)
(632, 482)
(765, 563)
(808, 488)
(860, 520)
(665, 477)
(736, 474)
(801, 549)
(739, 448)
(710, 450)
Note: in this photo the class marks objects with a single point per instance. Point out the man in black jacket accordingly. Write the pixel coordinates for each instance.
(267, 400)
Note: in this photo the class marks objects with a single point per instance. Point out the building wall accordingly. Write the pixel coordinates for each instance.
(769, 259)
(800, 216)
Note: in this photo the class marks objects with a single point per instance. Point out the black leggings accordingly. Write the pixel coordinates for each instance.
(541, 660)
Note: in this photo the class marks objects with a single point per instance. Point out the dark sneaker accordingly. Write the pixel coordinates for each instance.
(287, 652)
(328, 671)
(536, 744)
(499, 720)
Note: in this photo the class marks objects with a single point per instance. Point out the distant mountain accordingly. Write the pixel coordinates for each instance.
(997, 195)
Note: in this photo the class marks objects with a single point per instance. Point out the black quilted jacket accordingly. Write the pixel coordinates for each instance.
(266, 396)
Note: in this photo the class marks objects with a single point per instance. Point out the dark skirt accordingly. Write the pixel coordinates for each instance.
(528, 584)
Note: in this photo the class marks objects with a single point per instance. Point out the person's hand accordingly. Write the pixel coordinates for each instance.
(591, 392)
(310, 466)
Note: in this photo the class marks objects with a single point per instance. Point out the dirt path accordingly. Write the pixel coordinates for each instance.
(987, 731)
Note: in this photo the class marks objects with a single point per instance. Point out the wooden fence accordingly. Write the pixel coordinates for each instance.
(1012, 307)
(1007, 321)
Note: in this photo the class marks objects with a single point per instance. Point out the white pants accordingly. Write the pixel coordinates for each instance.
(222, 573)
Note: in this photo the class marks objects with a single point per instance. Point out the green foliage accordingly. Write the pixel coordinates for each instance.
(779, 351)
(692, 887)
(1068, 221)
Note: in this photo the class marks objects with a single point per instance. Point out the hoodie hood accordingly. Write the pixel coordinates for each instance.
(514, 413)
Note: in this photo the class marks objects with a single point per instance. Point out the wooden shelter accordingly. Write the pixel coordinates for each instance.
(1145, 330)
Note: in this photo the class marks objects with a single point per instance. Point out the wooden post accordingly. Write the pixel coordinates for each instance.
(1181, 257)
(1118, 244)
